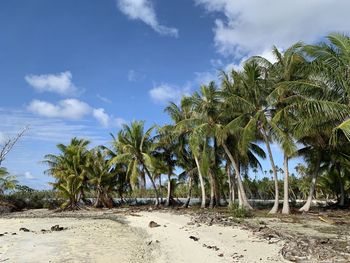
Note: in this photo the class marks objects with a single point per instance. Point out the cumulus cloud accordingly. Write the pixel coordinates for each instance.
(144, 10)
(71, 109)
(68, 109)
(101, 116)
(60, 83)
(165, 93)
(246, 30)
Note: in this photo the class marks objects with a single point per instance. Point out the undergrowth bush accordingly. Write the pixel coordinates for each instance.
(239, 212)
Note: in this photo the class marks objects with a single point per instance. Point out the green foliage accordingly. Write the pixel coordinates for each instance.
(300, 102)
(27, 198)
(239, 211)
(7, 182)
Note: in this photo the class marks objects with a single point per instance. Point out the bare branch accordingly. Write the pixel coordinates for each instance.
(7, 146)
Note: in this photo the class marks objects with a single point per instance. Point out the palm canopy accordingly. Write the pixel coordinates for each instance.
(134, 145)
(68, 169)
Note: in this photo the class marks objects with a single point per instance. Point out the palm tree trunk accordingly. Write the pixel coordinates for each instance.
(307, 205)
(153, 184)
(274, 209)
(231, 185)
(212, 190)
(342, 192)
(142, 181)
(169, 195)
(189, 194)
(160, 188)
(201, 180)
(216, 186)
(286, 209)
(98, 202)
(243, 201)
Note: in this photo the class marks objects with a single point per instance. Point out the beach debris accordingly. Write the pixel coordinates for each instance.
(326, 221)
(2, 235)
(149, 243)
(14, 234)
(221, 255)
(153, 224)
(211, 247)
(24, 229)
(194, 238)
(57, 228)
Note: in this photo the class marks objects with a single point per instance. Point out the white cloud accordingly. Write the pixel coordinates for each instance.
(101, 116)
(28, 176)
(104, 99)
(68, 109)
(246, 30)
(47, 129)
(165, 93)
(143, 10)
(60, 83)
(71, 109)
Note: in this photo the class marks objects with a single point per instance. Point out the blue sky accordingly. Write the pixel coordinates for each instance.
(85, 67)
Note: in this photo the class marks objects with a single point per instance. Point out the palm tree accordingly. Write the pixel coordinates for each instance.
(135, 145)
(7, 182)
(185, 129)
(100, 177)
(166, 148)
(317, 100)
(205, 117)
(67, 169)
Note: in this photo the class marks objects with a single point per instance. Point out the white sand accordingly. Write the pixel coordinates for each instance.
(85, 240)
(176, 246)
(102, 240)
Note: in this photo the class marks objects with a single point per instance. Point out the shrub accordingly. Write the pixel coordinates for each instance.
(33, 199)
(239, 212)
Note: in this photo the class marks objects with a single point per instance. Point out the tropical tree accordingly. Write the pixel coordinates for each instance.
(166, 147)
(100, 176)
(68, 169)
(7, 182)
(135, 145)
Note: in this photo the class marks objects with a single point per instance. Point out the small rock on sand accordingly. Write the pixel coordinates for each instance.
(153, 224)
(194, 238)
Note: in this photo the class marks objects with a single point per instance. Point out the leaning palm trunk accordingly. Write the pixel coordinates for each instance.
(242, 198)
(307, 205)
(154, 186)
(274, 209)
(189, 194)
(201, 182)
(231, 185)
(285, 209)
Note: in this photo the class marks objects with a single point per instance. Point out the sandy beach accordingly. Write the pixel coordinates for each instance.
(130, 240)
